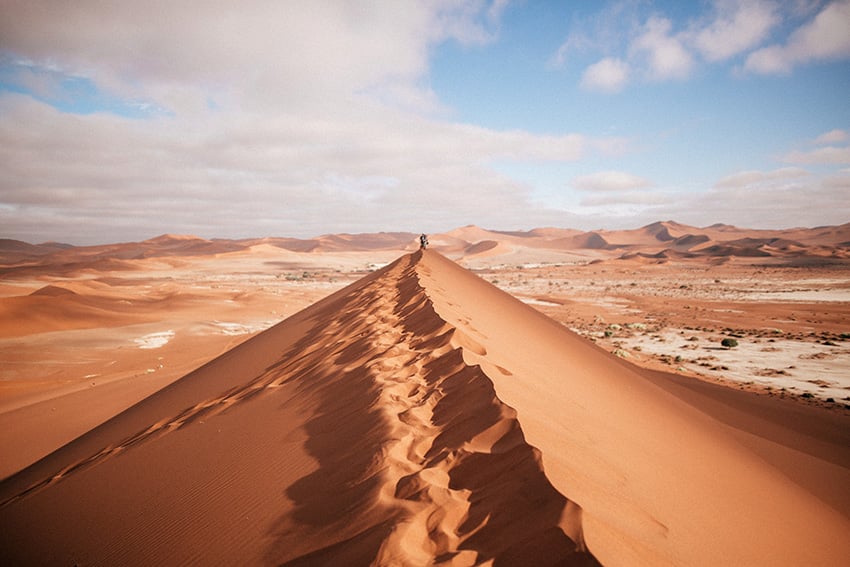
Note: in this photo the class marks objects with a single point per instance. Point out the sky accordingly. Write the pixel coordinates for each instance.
(120, 121)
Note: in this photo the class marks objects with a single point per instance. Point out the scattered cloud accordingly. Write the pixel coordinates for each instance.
(575, 43)
(755, 177)
(610, 181)
(311, 110)
(666, 55)
(826, 152)
(608, 75)
(281, 55)
(470, 23)
(630, 199)
(824, 38)
(779, 198)
(307, 111)
(295, 174)
(606, 30)
(616, 193)
(41, 83)
(737, 27)
(764, 199)
(831, 137)
(839, 181)
(829, 155)
(654, 47)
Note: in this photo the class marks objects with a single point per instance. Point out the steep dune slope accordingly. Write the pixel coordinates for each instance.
(660, 482)
(418, 416)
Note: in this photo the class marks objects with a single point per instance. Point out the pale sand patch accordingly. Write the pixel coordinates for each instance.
(709, 304)
(235, 329)
(154, 340)
(535, 301)
(780, 364)
(808, 295)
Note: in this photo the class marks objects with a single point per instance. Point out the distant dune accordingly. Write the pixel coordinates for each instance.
(422, 416)
(661, 241)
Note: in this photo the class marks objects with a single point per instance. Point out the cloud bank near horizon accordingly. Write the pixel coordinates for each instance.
(122, 121)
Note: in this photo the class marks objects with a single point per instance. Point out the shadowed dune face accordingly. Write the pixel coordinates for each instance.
(362, 436)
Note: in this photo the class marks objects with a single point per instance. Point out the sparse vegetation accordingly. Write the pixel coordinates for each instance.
(729, 343)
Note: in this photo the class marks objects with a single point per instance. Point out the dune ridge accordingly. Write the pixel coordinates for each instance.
(360, 436)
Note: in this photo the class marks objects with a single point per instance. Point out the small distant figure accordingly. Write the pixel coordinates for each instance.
(423, 241)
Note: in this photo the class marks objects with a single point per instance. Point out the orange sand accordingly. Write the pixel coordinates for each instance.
(422, 416)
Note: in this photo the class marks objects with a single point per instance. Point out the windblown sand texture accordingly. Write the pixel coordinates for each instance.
(422, 416)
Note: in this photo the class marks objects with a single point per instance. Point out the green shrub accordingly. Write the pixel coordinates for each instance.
(729, 343)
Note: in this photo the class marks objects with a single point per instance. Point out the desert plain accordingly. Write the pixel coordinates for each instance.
(534, 397)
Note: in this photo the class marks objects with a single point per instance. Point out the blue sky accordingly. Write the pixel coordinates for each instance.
(123, 121)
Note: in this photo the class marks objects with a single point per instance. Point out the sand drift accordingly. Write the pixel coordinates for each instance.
(422, 416)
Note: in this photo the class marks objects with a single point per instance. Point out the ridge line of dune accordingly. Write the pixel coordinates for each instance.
(431, 519)
(570, 521)
(425, 449)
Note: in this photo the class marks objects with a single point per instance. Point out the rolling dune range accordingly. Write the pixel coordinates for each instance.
(410, 419)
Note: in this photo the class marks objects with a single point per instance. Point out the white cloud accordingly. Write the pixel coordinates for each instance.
(606, 30)
(770, 60)
(295, 174)
(608, 75)
(777, 198)
(283, 118)
(469, 22)
(824, 38)
(276, 54)
(610, 181)
(655, 48)
(495, 11)
(307, 111)
(575, 42)
(839, 182)
(764, 199)
(832, 137)
(666, 55)
(755, 177)
(633, 198)
(827, 155)
(737, 27)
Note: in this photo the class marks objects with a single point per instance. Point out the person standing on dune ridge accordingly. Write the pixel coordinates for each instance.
(423, 241)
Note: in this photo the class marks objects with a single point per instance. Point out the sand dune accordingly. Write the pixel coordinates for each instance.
(659, 241)
(421, 416)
